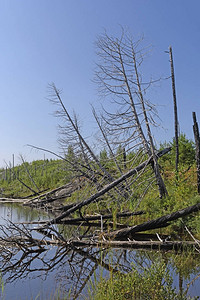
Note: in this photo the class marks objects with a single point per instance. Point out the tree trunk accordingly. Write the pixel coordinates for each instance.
(175, 111)
(153, 224)
(197, 142)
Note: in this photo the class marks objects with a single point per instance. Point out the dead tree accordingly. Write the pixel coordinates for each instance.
(28, 173)
(77, 167)
(118, 76)
(153, 224)
(197, 143)
(71, 136)
(22, 182)
(175, 110)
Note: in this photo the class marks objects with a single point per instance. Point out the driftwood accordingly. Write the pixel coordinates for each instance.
(22, 238)
(153, 224)
(107, 188)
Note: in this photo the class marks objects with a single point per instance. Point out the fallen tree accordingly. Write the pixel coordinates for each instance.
(115, 238)
(95, 197)
(153, 224)
(130, 237)
(87, 219)
(153, 245)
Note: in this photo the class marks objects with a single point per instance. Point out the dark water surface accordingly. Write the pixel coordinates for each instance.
(64, 271)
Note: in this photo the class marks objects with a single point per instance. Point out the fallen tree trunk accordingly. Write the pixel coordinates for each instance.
(107, 188)
(88, 220)
(61, 192)
(33, 195)
(13, 200)
(44, 198)
(153, 245)
(82, 224)
(153, 224)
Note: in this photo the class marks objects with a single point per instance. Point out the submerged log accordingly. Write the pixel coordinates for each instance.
(153, 224)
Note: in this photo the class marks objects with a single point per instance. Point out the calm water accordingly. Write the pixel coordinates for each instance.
(40, 276)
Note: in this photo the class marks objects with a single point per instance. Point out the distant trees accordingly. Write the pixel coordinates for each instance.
(186, 151)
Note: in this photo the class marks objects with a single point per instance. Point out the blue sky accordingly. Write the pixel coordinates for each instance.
(44, 41)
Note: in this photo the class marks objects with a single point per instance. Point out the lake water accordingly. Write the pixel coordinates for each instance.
(41, 276)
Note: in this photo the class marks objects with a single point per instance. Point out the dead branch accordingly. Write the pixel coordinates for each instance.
(153, 224)
(29, 174)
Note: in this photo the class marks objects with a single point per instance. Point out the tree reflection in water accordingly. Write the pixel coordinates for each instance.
(75, 266)
(27, 256)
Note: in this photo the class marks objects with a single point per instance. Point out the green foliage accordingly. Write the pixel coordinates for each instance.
(50, 174)
(186, 151)
(185, 264)
(153, 282)
(43, 174)
(103, 157)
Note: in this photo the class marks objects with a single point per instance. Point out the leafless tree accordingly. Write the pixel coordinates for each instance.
(28, 172)
(118, 78)
(175, 110)
(70, 135)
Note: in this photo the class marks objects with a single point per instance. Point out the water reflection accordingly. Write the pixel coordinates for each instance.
(44, 270)
(17, 213)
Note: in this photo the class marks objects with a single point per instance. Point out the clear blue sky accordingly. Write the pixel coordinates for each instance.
(44, 41)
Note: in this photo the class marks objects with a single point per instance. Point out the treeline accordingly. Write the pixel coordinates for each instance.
(28, 177)
(47, 174)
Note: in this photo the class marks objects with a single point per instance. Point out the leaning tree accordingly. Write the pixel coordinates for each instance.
(130, 120)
